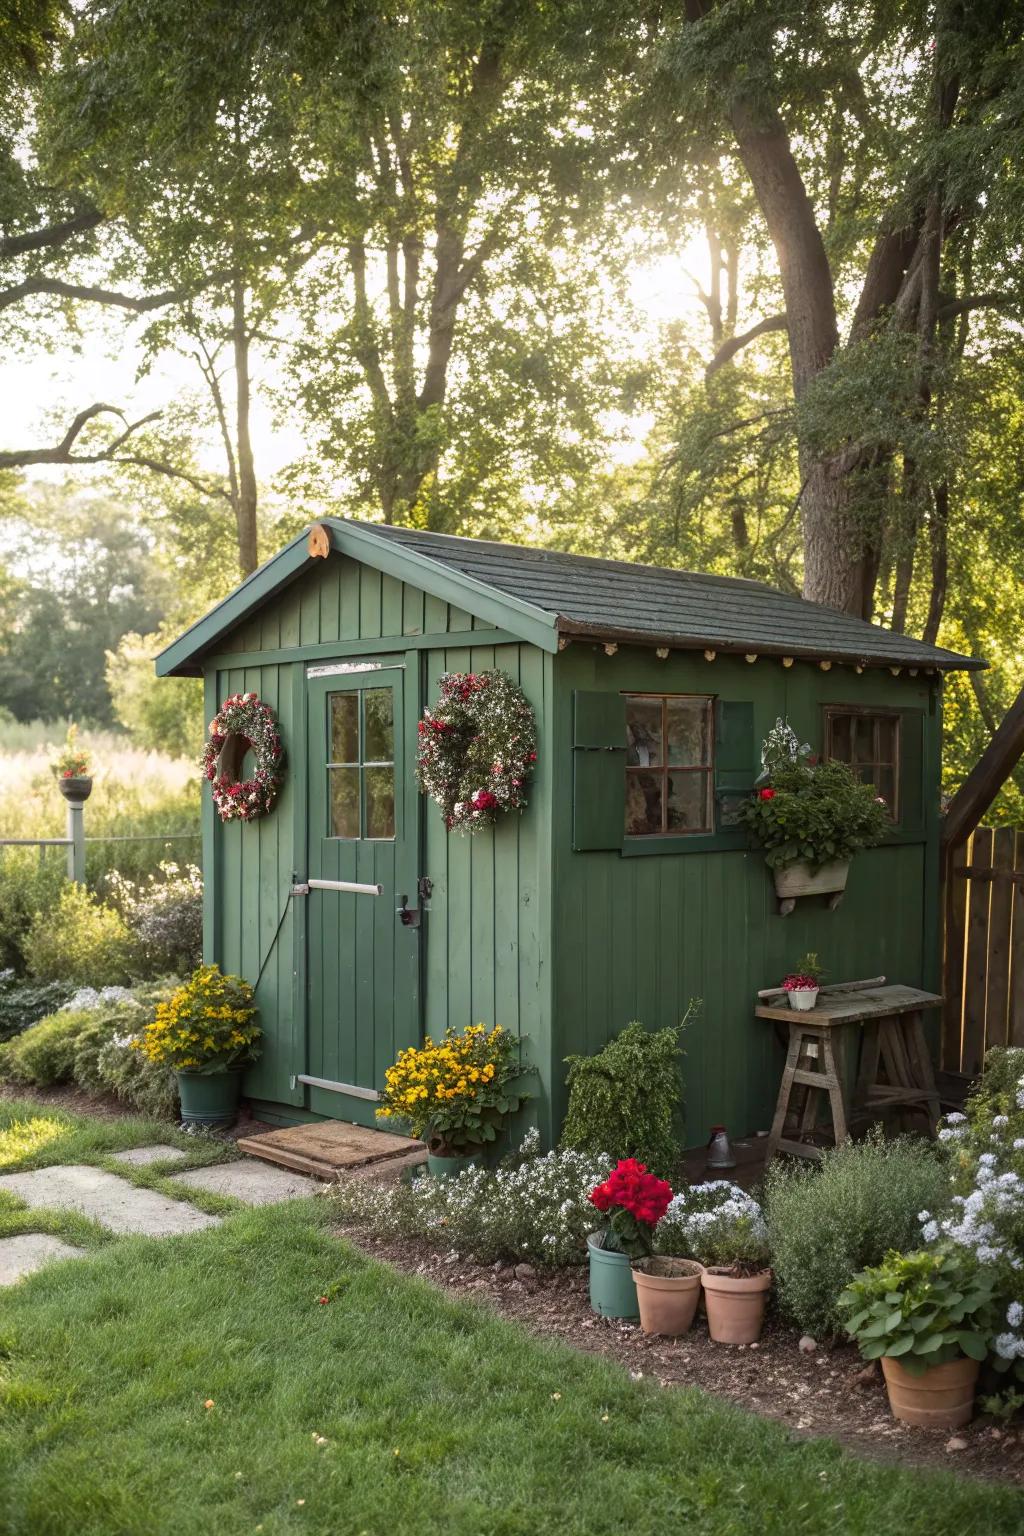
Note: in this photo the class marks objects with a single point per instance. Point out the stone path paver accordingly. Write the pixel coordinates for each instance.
(112, 1201)
(29, 1251)
(140, 1156)
(253, 1182)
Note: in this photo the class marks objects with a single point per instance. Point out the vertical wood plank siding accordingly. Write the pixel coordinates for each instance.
(638, 937)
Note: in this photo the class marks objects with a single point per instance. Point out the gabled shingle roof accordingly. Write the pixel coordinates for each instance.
(619, 600)
(543, 596)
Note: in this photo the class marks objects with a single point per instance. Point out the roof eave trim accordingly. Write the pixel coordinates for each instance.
(944, 661)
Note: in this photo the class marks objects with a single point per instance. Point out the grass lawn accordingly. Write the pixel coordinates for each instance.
(435, 1418)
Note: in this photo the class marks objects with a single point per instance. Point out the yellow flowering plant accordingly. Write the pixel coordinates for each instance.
(455, 1093)
(207, 1025)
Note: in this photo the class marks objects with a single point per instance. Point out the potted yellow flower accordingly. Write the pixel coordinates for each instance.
(207, 1033)
(454, 1094)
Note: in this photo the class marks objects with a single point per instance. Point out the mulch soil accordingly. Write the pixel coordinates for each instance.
(819, 1391)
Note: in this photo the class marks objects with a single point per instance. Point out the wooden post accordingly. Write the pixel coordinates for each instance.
(76, 832)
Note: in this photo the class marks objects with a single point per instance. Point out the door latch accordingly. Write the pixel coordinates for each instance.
(408, 916)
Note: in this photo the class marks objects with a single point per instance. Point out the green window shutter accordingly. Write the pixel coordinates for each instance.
(911, 749)
(736, 765)
(599, 770)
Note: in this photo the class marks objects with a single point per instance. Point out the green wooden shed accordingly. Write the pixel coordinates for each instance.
(624, 889)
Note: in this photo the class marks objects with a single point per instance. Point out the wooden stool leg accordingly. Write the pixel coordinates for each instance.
(785, 1089)
(833, 1078)
(921, 1060)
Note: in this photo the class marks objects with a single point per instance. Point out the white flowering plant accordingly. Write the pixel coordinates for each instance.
(531, 1207)
(986, 1221)
(716, 1223)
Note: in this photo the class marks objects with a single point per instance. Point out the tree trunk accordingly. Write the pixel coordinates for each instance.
(245, 501)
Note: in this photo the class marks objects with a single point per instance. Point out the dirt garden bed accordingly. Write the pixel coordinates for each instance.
(820, 1392)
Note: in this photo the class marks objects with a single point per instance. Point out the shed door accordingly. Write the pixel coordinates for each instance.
(363, 960)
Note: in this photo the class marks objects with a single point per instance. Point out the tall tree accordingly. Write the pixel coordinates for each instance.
(879, 140)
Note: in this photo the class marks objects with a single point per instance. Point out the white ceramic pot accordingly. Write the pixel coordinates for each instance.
(803, 999)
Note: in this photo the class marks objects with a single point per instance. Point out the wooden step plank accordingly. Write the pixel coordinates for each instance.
(328, 1148)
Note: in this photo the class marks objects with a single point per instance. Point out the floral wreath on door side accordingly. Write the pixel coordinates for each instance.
(477, 748)
(243, 724)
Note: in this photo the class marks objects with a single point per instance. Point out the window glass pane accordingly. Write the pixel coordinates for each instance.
(643, 802)
(643, 732)
(344, 787)
(887, 738)
(378, 725)
(885, 785)
(863, 730)
(345, 728)
(840, 744)
(687, 802)
(380, 801)
(687, 731)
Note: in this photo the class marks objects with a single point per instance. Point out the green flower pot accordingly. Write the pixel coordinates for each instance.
(612, 1287)
(449, 1167)
(209, 1098)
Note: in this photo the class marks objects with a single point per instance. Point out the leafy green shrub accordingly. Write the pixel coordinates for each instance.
(826, 1223)
(23, 1003)
(44, 1053)
(624, 1100)
(27, 888)
(82, 940)
(126, 1072)
(165, 912)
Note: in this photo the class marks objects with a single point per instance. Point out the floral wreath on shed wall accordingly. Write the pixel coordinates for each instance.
(477, 748)
(243, 724)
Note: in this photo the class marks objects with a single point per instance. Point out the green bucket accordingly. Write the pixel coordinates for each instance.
(450, 1167)
(612, 1287)
(209, 1098)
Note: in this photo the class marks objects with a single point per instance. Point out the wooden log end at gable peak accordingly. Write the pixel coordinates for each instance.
(319, 542)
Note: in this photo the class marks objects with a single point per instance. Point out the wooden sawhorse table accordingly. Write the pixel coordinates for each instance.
(895, 1069)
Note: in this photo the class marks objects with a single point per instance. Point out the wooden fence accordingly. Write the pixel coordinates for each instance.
(984, 948)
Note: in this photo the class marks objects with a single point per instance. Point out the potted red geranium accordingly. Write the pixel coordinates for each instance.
(802, 984)
(632, 1202)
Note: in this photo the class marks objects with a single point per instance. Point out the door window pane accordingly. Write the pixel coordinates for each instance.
(380, 802)
(666, 733)
(344, 786)
(345, 727)
(379, 726)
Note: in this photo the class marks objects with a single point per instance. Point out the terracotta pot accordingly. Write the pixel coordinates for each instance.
(942, 1397)
(668, 1291)
(735, 1304)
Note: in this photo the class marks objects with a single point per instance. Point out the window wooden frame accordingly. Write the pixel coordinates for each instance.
(876, 714)
(665, 768)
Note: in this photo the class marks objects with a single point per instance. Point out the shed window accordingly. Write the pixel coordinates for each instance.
(870, 742)
(668, 764)
(361, 770)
